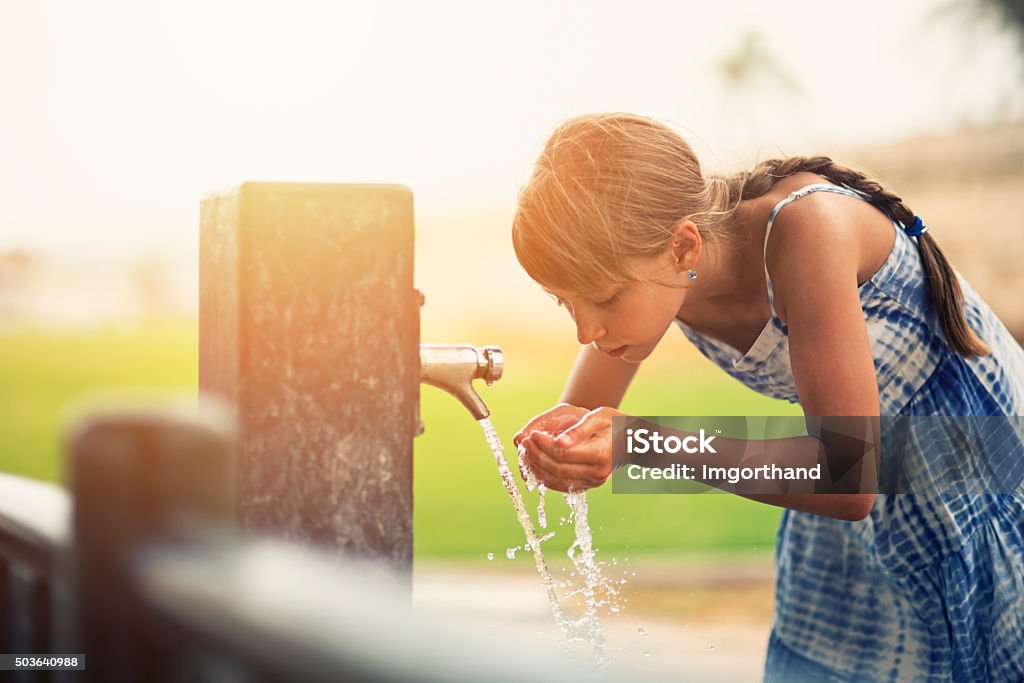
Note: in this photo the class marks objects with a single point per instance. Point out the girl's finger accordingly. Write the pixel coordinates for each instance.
(588, 425)
(550, 413)
(553, 425)
(547, 468)
(578, 455)
(542, 465)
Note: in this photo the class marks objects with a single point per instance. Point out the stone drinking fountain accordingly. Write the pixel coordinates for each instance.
(309, 326)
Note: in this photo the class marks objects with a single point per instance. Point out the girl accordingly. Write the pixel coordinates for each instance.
(806, 281)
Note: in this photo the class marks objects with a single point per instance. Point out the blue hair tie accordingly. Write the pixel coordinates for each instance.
(917, 229)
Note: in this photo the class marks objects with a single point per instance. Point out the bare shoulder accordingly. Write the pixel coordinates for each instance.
(823, 236)
(812, 207)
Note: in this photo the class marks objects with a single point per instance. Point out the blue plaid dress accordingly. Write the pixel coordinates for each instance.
(927, 587)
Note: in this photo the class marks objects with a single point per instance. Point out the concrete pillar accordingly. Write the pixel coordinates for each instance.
(309, 324)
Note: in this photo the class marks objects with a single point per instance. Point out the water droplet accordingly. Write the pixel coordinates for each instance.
(490, 556)
(647, 653)
(642, 632)
(712, 648)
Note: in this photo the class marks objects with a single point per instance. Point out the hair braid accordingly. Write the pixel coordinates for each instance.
(944, 286)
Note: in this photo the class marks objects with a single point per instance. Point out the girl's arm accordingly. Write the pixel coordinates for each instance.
(597, 380)
(813, 259)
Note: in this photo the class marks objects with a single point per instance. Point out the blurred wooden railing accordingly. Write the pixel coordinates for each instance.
(139, 568)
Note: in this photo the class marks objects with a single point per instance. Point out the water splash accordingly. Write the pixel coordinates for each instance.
(596, 590)
(524, 520)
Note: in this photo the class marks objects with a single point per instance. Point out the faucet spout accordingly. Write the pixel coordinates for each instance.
(453, 367)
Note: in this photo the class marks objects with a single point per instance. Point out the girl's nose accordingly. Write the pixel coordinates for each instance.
(588, 329)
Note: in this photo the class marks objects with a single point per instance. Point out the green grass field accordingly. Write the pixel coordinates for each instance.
(461, 508)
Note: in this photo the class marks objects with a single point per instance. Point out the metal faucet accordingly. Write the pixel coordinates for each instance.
(453, 367)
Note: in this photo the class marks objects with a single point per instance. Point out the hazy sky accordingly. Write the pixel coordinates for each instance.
(116, 117)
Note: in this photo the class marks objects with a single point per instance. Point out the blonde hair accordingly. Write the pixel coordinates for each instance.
(611, 187)
(607, 188)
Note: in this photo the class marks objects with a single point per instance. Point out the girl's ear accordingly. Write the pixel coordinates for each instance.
(686, 243)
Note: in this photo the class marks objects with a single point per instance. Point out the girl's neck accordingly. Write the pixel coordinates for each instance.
(731, 272)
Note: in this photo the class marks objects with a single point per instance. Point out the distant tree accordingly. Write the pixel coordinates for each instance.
(1007, 15)
(1010, 13)
(755, 88)
(985, 15)
(751, 63)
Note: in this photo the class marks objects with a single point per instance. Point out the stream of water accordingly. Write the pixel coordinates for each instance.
(596, 590)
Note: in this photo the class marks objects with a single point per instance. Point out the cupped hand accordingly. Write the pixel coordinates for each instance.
(552, 421)
(576, 458)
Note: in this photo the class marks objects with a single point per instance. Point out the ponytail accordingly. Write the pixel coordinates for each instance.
(946, 294)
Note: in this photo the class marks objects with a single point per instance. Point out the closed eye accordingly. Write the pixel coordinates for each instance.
(609, 301)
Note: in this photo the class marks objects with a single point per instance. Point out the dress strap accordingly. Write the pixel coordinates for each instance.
(793, 196)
